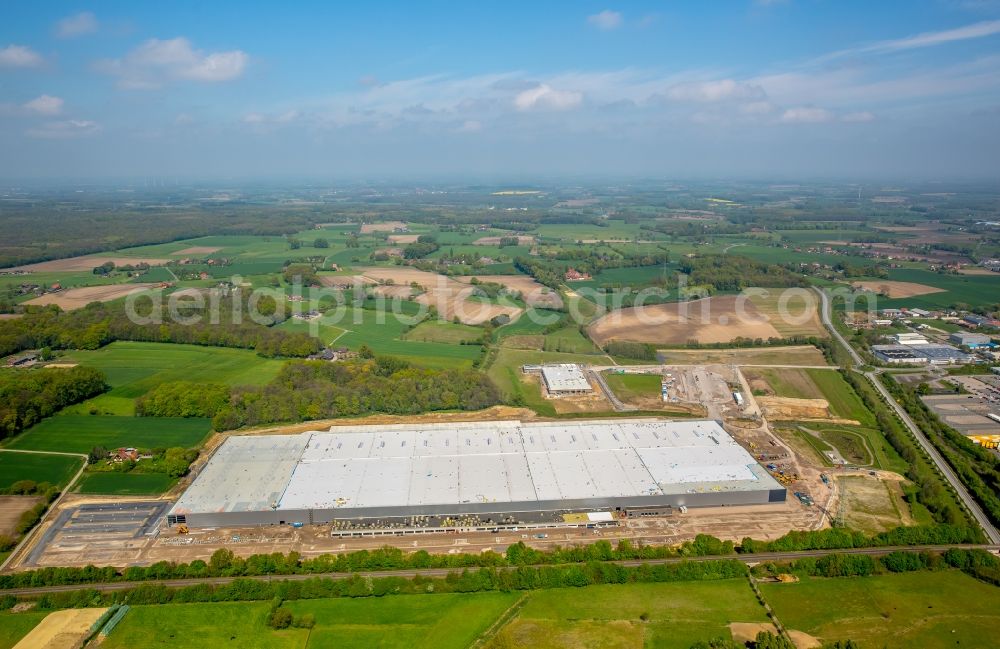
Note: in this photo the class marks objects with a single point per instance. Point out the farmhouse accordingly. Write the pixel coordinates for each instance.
(471, 475)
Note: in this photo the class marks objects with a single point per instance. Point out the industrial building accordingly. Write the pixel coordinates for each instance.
(561, 379)
(910, 339)
(897, 355)
(970, 340)
(943, 354)
(469, 475)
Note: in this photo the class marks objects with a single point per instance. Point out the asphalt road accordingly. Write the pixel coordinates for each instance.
(970, 503)
(749, 559)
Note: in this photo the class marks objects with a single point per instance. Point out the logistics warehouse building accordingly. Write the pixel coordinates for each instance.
(466, 474)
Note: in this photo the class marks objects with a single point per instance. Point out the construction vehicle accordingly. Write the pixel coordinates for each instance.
(182, 529)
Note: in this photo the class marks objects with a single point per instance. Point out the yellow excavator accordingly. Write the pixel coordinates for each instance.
(182, 529)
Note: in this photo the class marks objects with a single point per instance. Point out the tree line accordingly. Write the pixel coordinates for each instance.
(98, 324)
(28, 396)
(224, 563)
(930, 489)
(977, 467)
(305, 390)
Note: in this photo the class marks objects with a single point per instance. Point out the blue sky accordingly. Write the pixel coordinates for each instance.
(747, 88)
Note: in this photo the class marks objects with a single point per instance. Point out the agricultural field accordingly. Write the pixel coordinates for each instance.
(633, 387)
(804, 355)
(77, 298)
(443, 332)
(404, 621)
(718, 319)
(54, 469)
(951, 290)
(125, 484)
(931, 610)
(11, 509)
(14, 626)
(676, 615)
(134, 368)
(81, 433)
(385, 334)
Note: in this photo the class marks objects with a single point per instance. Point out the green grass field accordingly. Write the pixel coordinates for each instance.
(125, 484)
(924, 609)
(55, 469)
(134, 368)
(812, 383)
(81, 433)
(383, 332)
(14, 626)
(678, 615)
(629, 387)
(405, 621)
(505, 371)
(971, 290)
(443, 332)
(569, 340)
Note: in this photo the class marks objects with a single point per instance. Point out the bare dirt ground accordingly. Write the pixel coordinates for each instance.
(793, 313)
(448, 296)
(65, 629)
(11, 508)
(196, 250)
(709, 320)
(804, 355)
(77, 298)
(785, 408)
(88, 262)
(385, 226)
(872, 505)
(522, 240)
(403, 238)
(744, 632)
(404, 292)
(897, 289)
(345, 280)
(533, 293)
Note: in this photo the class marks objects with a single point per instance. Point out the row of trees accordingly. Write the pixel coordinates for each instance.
(305, 390)
(977, 467)
(223, 563)
(98, 324)
(522, 578)
(930, 489)
(26, 397)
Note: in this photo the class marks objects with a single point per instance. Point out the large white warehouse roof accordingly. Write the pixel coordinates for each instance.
(481, 462)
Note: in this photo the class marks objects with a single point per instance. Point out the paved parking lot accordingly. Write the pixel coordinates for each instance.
(966, 413)
(97, 530)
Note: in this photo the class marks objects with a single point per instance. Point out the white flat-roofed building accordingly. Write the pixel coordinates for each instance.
(565, 378)
(910, 339)
(496, 472)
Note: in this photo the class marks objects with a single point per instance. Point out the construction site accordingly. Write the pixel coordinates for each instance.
(470, 486)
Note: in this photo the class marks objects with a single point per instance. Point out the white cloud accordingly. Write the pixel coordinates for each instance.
(806, 115)
(924, 39)
(44, 105)
(545, 96)
(470, 126)
(65, 129)
(718, 90)
(861, 116)
(77, 25)
(156, 62)
(19, 56)
(606, 20)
